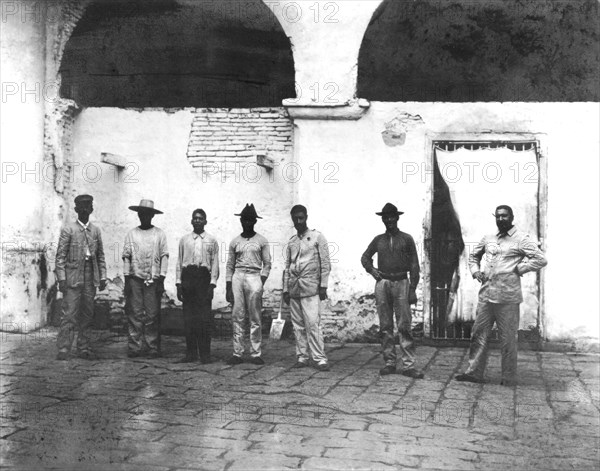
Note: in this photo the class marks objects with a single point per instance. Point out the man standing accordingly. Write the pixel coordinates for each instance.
(248, 267)
(305, 278)
(394, 292)
(504, 254)
(197, 273)
(80, 268)
(145, 259)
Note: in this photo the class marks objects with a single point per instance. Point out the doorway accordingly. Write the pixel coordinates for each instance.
(471, 178)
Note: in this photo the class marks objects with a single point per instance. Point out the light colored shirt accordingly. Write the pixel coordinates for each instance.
(249, 256)
(87, 248)
(502, 254)
(145, 253)
(201, 250)
(307, 264)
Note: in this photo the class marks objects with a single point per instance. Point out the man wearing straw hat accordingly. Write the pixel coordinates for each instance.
(248, 267)
(305, 280)
(394, 291)
(145, 259)
(80, 269)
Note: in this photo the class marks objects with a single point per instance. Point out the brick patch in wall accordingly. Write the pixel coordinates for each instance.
(236, 136)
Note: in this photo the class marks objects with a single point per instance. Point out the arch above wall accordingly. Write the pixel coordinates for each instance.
(476, 50)
(177, 53)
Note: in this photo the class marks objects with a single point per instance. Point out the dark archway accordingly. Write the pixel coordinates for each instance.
(178, 53)
(477, 50)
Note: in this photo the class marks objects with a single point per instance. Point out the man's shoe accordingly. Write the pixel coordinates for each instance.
(205, 359)
(234, 360)
(322, 367)
(88, 355)
(153, 354)
(300, 364)
(387, 370)
(186, 359)
(413, 373)
(257, 361)
(508, 382)
(132, 354)
(467, 377)
(62, 356)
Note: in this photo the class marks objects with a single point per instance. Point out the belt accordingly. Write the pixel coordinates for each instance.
(394, 276)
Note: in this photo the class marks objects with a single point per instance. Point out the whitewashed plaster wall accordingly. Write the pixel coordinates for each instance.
(23, 283)
(371, 173)
(155, 145)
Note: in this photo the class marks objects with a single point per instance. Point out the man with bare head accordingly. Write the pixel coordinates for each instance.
(196, 278)
(507, 255)
(305, 280)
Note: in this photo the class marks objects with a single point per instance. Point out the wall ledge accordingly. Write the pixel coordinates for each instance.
(350, 110)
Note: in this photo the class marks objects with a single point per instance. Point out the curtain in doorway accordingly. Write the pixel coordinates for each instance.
(481, 177)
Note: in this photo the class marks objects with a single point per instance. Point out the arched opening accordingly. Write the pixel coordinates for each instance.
(469, 51)
(177, 53)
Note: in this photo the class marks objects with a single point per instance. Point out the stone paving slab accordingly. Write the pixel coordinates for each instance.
(141, 414)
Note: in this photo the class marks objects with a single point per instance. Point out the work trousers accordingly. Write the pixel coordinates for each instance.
(306, 319)
(78, 313)
(197, 311)
(144, 317)
(392, 298)
(506, 317)
(247, 297)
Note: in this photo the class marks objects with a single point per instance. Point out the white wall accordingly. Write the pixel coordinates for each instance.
(23, 304)
(370, 174)
(155, 143)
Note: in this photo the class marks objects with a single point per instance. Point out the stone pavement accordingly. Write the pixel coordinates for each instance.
(118, 413)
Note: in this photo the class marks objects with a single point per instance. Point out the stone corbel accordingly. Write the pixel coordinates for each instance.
(350, 110)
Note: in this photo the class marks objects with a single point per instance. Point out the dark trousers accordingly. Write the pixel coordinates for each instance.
(197, 311)
(78, 313)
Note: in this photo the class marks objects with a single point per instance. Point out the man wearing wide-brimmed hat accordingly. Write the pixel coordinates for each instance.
(80, 269)
(248, 267)
(394, 292)
(145, 259)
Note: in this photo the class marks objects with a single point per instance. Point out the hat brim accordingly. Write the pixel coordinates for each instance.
(390, 212)
(257, 217)
(137, 208)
